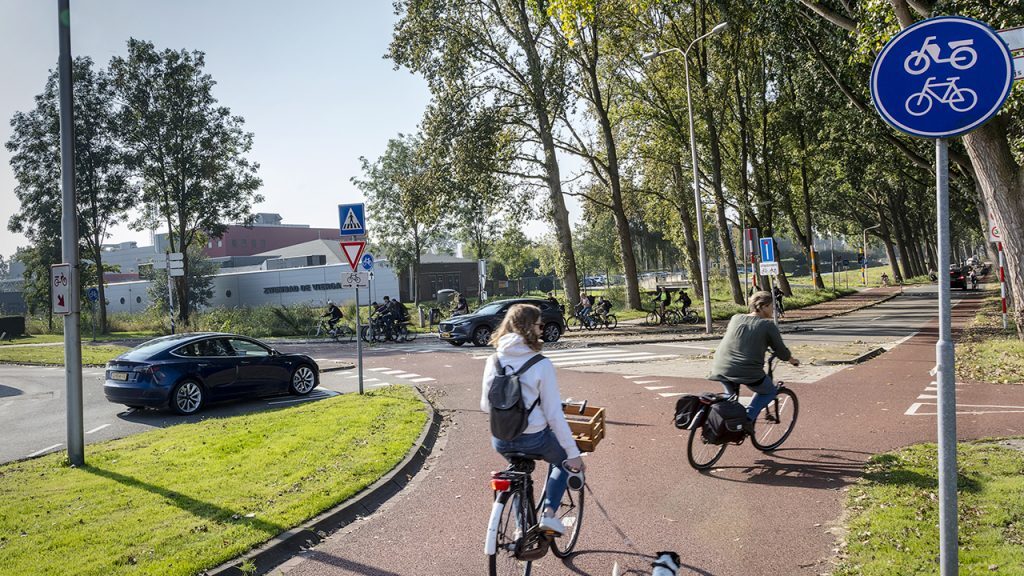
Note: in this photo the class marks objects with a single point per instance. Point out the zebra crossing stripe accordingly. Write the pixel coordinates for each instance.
(407, 375)
(379, 369)
(612, 359)
(670, 394)
(646, 381)
(423, 379)
(652, 388)
(393, 372)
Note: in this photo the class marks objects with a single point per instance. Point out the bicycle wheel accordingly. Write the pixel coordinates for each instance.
(652, 319)
(673, 317)
(313, 332)
(572, 323)
(691, 317)
(408, 335)
(511, 527)
(571, 515)
(702, 455)
(775, 423)
(402, 333)
(611, 322)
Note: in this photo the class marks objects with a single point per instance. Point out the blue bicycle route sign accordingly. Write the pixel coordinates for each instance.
(942, 77)
(367, 262)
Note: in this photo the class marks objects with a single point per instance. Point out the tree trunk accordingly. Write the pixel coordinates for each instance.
(692, 257)
(884, 235)
(901, 242)
(979, 203)
(539, 102)
(98, 257)
(782, 280)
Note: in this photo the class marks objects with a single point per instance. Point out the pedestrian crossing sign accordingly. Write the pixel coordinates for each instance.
(353, 219)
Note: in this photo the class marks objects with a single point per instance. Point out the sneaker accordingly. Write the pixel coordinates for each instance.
(551, 525)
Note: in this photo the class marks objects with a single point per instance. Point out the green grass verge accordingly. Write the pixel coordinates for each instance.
(96, 355)
(179, 500)
(892, 525)
(987, 353)
(853, 277)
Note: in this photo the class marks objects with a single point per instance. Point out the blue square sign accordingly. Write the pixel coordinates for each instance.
(767, 250)
(352, 219)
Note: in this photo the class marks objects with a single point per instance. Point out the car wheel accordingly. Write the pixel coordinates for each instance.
(481, 336)
(456, 343)
(552, 332)
(187, 397)
(304, 379)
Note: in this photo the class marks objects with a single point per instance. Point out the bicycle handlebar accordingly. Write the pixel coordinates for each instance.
(569, 402)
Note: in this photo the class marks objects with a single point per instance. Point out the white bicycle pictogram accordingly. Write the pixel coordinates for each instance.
(959, 99)
(962, 57)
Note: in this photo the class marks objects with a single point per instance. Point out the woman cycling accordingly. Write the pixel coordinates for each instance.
(547, 433)
(739, 358)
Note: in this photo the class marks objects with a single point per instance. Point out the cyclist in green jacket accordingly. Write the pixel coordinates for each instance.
(739, 358)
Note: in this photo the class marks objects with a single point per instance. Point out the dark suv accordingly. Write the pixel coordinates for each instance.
(478, 326)
(958, 277)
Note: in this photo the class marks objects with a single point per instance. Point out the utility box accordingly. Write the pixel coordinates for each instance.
(445, 296)
(12, 326)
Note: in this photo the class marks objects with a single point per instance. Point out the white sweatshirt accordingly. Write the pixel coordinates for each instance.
(513, 353)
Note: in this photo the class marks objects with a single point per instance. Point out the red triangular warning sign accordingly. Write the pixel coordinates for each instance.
(353, 251)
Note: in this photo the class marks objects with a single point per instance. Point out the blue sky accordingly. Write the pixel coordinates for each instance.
(308, 76)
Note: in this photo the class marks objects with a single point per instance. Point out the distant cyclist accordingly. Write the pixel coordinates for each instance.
(334, 313)
(461, 306)
(739, 358)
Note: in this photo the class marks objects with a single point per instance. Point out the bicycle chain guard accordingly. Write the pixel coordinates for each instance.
(533, 546)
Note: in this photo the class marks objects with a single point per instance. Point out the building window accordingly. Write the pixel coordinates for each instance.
(220, 243)
(243, 241)
(453, 281)
(234, 243)
(138, 299)
(228, 294)
(209, 244)
(122, 300)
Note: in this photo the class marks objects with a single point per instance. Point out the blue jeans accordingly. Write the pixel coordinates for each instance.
(764, 393)
(545, 445)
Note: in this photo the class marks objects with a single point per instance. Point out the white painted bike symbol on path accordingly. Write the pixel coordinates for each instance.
(962, 57)
(959, 99)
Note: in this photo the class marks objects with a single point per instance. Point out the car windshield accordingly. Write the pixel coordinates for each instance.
(491, 308)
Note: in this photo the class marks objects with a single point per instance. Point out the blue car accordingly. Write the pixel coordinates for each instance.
(184, 372)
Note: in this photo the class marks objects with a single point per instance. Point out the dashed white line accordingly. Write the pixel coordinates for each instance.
(393, 372)
(44, 450)
(380, 369)
(656, 387)
(670, 394)
(645, 381)
(97, 429)
(407, 376)
(423, 379)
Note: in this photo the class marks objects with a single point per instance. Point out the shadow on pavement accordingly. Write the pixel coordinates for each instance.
(350, 565)
(616, 556)
(6, 391)
(818, 469)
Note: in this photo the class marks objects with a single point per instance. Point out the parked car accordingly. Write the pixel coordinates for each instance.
(958, 277)
(478, 326)
(184, 372)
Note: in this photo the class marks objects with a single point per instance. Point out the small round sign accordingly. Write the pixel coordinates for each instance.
(367, 262)
(942, 77)
(93, 294)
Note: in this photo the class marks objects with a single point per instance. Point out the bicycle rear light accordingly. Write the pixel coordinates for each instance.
(500, 484)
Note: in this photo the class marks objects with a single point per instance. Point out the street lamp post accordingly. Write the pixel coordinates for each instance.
(706, 291)
(865, 266)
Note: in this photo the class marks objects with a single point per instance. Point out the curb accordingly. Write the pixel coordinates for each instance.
(340, 366)
(283, 547)
(859, 359)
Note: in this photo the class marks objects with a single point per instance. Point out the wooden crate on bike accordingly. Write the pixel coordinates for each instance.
(587, 428)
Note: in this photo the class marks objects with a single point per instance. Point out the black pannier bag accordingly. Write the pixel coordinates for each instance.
(686, 410)
(725, 422)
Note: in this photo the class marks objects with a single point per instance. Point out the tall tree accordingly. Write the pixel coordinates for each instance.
(402, 190)
(501, 51)
(103, 188)
(189, 152)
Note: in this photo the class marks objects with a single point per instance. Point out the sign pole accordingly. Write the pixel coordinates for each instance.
(170, 292)
(1002, 280)
(69, 242)
(359, 343)
(947, 389)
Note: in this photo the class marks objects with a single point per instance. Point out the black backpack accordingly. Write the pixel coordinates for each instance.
(686, 300)
(509, 415)
(686, 409)
(725, 422)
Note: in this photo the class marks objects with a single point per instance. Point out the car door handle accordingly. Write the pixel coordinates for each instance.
(204, 365)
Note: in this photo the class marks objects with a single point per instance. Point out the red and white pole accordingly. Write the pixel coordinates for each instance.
(1002, 280)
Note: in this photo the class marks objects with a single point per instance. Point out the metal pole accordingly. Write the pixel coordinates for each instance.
(69, 241)
(359, 341)
(1002, 280)
(771, 290)
(706, 291)
(944, 376)
(832, 242)
(170, 292)
(864, 270)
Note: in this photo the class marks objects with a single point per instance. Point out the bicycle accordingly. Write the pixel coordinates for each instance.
(514, 540)
(577, 321)
(772, 427)
(322, 329)
(607, 320)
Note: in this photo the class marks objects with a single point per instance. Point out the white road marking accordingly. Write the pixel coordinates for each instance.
(646, 381)
(656, 387)
(689, 346)
(393, 372)
(670, 394)
(979, 409)
(44, 450)
(424, 379)
(927, 397)
(380, 369)
(407, 376)
(612, 359)
(97, 429)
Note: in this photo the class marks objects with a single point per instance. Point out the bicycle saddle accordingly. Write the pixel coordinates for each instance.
(513, 456)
